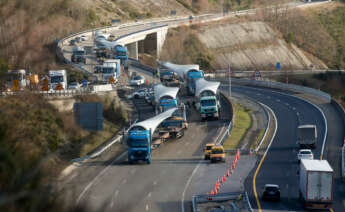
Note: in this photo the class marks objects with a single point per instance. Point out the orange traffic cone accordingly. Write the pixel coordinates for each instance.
(227, 173)
(224, 178)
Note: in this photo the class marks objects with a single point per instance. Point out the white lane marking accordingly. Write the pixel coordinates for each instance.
(297, 113)
(278, 100)
(147, 207)
(293, 108)
(133, 170)
(112, 200)
(318, 108)
(258, 94)
(99, 175)
(287, 104)
(124, 181)
(155, 183)
(149, 195)
(187, 184)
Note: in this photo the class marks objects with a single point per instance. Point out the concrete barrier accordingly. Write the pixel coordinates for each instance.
(277, 85)
(102, 88)
(341, 112)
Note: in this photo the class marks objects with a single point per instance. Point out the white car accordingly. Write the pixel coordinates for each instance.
(74, 85)
(305, 154)
(83, 38)
(137, 80)
(138, 94)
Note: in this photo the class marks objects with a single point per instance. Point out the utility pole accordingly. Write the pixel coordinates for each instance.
(229, 81)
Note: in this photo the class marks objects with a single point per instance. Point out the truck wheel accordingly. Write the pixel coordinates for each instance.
(180, 134)
(148, 161)
(129, 160)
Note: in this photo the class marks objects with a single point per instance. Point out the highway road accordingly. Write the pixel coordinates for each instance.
(115, 185)
(280, 165)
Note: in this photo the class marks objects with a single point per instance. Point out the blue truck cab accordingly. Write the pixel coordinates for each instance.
(192, 76)
(121, 52)
(209, 107)
(166, 104)
(139, 145)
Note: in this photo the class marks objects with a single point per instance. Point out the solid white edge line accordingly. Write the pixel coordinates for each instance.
(187, 185)
(275, 130)
(97, 176)
(307, 101)
(267, 128)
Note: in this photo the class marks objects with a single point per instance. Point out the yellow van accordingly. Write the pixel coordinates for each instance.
(217, 154)
(207, 151)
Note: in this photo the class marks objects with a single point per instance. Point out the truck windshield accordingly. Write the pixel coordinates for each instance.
(217, 151)
(56, 79)
(79, 52)
(137, 142)
(108, 70)
(209, 102)
(121, 53)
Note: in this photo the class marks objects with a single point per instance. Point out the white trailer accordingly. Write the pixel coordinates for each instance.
(111, 69)
(58, 78)
(316, 184)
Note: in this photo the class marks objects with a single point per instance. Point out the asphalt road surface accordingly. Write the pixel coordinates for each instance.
(160, 186)
(280, 165)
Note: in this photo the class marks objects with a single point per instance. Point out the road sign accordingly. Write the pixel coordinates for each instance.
(84, 82)
(256, 74)
(59, 86)
(278, 65)
(115, 20)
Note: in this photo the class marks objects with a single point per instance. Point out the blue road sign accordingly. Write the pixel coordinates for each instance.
(84, 82)
(278, 65)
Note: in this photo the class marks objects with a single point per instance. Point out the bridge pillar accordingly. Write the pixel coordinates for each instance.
(133, 50)
(161, 35)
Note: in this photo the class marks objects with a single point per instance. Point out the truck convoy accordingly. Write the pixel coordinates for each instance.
(165, 99)
(139, 137)
(316, 184)
(206, 92)
(58, 79)
(110, 70)
(207, 99)
(307, 136)
(117, 50)
(78, 55)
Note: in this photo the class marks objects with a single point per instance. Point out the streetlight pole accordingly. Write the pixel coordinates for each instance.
(229, 81)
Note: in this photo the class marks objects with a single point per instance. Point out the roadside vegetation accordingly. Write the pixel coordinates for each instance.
(331, 82)
(37, 141)
(184, 47)
(319, 31)
(241, 125)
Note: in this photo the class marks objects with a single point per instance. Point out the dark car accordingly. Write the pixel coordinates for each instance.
(271, 192)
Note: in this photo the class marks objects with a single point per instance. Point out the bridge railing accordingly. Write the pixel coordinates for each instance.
(276, 85)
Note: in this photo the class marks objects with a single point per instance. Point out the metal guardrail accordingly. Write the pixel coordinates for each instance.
(277, 85)
(343, 149)
(199, 199)
(267, 127)
(66, 92)
(341, 110)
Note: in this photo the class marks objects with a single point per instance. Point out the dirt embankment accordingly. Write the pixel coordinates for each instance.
(253, 45)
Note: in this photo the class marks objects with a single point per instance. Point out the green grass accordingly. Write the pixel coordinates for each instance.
(99, 137)
(241, 126)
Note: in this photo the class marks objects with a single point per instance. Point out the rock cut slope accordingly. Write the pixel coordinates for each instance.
(248, 45)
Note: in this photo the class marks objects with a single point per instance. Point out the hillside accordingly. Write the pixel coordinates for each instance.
(295, 38)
